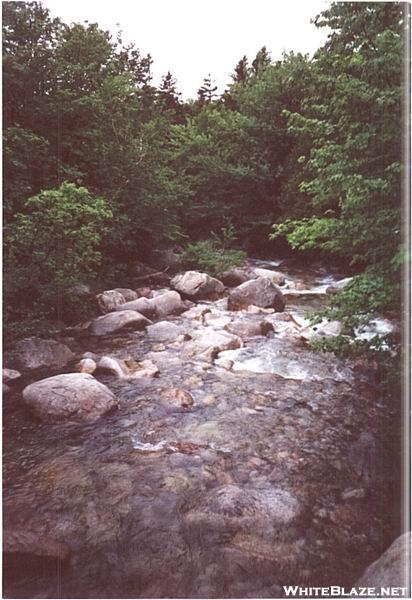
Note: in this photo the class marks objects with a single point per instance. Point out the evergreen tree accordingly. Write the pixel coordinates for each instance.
(207, 91)
(241, 71)
(261, 60)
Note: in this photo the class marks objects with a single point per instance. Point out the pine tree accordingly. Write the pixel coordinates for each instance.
(241, 71)
(206, 92)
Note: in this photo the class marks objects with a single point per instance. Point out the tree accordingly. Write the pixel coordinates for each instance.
(261, 61)
(352, 170)
(55, 245)
(241, 71)
(206, 92)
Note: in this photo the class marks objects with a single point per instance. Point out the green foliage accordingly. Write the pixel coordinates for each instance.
(50, 248)
(211, 256)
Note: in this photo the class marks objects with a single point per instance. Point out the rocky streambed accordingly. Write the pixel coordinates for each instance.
(234, 461)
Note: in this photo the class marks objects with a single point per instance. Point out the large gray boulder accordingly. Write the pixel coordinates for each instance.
(236, 276)
(110, 300)
(392, 569)
(196, 285)
(247, 329)
(259, 292)
(73, 396)
(169, 303)
(116, 321)
(34, 353)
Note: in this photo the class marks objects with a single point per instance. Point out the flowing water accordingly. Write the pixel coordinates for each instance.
(283, 471)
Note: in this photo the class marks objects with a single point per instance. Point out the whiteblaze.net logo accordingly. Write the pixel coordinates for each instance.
(335, 591)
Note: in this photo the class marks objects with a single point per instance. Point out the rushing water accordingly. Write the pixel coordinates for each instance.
(282, 472)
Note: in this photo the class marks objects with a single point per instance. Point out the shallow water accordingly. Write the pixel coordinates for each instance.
(232, 497)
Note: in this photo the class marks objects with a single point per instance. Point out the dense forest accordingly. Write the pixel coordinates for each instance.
(103, 169)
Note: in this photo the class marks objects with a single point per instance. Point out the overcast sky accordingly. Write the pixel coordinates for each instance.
(194, 37)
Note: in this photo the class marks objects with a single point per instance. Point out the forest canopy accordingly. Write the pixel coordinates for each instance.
(103, 168)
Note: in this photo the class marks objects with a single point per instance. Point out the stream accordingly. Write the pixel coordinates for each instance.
(283, 471)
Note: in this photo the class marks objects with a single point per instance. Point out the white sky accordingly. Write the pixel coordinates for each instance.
(194, 37)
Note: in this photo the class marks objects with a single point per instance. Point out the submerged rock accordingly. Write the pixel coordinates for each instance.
(177, 398)
(110, 300)
(116, 321)
(259, 292)
(74, 396)
(197, 285)
(34, 353)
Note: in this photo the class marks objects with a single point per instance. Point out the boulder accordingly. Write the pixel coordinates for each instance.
(169, 303)
(196, 285)
(392, 569)
(163, 331)
(34, 353)
(208, 344)
(247, 329)
(113, 365)
(10, 375)
(142, 305)
(325, 329)
(116, 321)
(144, 292)
(127, 294)
(273, 276)
(259, 292)
(235, 277)
(86, 365)
(73, 396)
(110, 300)
(128, 368)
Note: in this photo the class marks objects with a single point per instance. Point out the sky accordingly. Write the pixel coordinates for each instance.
(193, 38)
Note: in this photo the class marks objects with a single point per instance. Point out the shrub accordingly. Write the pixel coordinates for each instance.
(211, 256)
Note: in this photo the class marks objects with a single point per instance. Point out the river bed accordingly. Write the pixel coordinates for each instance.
(284, 471)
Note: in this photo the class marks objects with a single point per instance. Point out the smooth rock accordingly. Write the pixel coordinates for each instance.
(86, 365)
(247, 329)
(163, 331)
(10, 375)
(91, 355)
(116, 321)
(197, 285)
(208, 344)
(392, 569)
(127, 293)
(259, 292)
(110, 300)
(351, 494)
(143, 306)
(74, 396)
(169, 303)
(113, 365)
(273, 276)
(33, 353)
